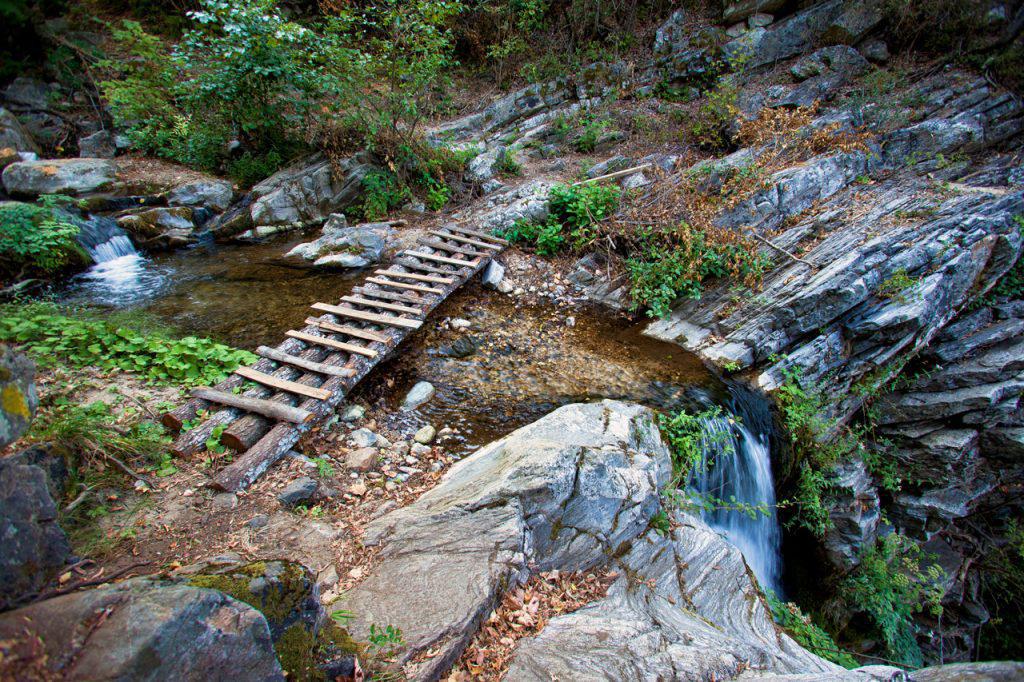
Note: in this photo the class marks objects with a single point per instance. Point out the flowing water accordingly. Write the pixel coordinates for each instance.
(525, 360)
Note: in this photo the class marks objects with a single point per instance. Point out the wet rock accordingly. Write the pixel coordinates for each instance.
(139, 629)
(462, 347)
(855, 514)
(298, 491)
(566, 493)
(225, 501)
(344, 246)
(59, 176)
(493, 274)
(14, 136)
(160, 228)
(425, 435)
(18, 397)
(363, 459)
(363, 438)
(99, 145)
(215, 195)
(421, 393)
(459, 324)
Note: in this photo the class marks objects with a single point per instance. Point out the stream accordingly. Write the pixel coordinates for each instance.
(515, 363)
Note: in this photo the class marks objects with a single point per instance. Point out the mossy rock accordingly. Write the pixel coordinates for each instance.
(309, 645)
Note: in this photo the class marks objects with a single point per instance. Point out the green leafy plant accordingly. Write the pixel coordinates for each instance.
(689, 439)
(809, 635)
(385, 640)
(893, 582)
(573, 211)
(713, 119)
(36, 238)
(324, 469)
(382, 193)
(591, 132)
(898, 286)
(661, 523)
(47, 332)
(213, 443)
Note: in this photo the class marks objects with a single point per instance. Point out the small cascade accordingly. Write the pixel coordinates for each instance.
(737, 466)
(120, 275)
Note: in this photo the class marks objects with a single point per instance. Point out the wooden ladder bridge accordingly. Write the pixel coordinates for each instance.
(300, 382)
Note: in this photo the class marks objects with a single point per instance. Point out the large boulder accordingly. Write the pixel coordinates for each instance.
(346, 247)
(213, 194)
(160, 228)
(139, 629)
(34, 546)
(573, 491)
(307, 191)
(59, 176)
(98, 145)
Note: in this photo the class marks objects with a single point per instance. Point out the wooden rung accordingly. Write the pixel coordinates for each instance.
(413, 276)
(302, 363)
(267, 408)
(465, 240)
(390, 320)
(383, 294)
(359, 300)
(414, 264)
(282, 384)
(331, 343)
(474, 233)
(451, 248)
(401, 285)
(439, 259)
(351, 331)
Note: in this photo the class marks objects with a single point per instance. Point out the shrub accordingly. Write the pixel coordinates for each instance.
(669, 266)
(48, 332)
(588, 137)
(714, 118)
(687, 436)
(573, 213)
(808, 634)
(382, 192)
(242, 72)
(889, 586)
(36, 238)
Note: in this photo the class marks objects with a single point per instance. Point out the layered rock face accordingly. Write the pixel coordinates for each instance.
(573, 491)
(897, 248)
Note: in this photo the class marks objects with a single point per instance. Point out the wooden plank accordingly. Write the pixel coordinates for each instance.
(414, 276)
(331, 343)
(359, 300)
(282, 384)
(464, 240)
(295, 361)
(402, 285)
(357, 332)
(267, 408)
(474, 233)
(616, 174)
(390, 320)
(451, 248)
(438, 259)
(413, 264)
(416, 299)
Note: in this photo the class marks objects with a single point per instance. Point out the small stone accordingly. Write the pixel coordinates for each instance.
(420, 450)
(570, 321)
(356, 573)
(411, 461)
(382, 442)
(298, 491)
(736, 30)
(436, 466)
(458, 324)
(358, 489)
(327, 578)
(258, 521)
(504, 287)
(409, 470)
(493, 275)
(419, 394)
(390, 486)
(353, 413)
(363, 438)
(425, 435)
(875, 51)
(362, 459)
(401, 448)
(225, 501)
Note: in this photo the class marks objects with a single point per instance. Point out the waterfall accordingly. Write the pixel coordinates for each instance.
(120, 275)
(737, 465)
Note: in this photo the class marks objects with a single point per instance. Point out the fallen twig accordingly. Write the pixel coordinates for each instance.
(780, 250)
(88, 583)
